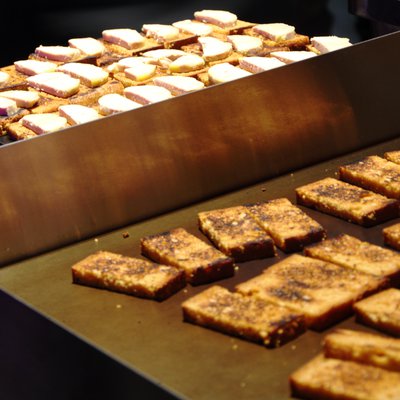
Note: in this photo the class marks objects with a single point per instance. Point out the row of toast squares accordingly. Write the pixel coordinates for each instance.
(253, 231)
(366, 192)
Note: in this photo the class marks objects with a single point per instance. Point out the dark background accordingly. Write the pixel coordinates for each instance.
(25, 26)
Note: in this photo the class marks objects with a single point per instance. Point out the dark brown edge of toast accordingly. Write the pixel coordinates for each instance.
(383, 214)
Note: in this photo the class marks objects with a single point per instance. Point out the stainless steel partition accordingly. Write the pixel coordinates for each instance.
(63, 187)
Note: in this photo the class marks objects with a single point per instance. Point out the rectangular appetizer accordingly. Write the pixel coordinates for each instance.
(363, 347)
(349, 202)
(391, 236)
(351, 252)
(393, 156)
(322, 291)
(374, 173)
(290, 227)
(330, 378)
(201, 261)
(381, 311)
(236, 233)
(246, 317)
(128, 275)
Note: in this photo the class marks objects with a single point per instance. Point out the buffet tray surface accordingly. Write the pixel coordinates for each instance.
(149, 337)
(64, 187)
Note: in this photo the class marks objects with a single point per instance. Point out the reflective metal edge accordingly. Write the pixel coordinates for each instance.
(63, 187)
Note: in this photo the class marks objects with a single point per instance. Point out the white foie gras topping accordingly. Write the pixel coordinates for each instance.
(325, 44)
(221, 18)
(158, 54)
(146, 94)
(90, 75)
(259, 64)
(23, 98)
(34, 67)
(4, 77)
(292, 56)
(78, 114)
(88, 46)
(140, 72)
(113, 103)
(58, 53)
(178, 85)
(129, 62)
(275, 31)
(194, 27)
(214, 49)
(55, 83)
(225, 72)
(246, 45)
(161, 32)
(7, 107)
(44, 123)
(186, 63)
(125, 37)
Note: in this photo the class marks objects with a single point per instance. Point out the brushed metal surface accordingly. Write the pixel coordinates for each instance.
(63, 187)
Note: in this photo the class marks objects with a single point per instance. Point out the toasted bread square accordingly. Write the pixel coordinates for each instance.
(7, 122)
(236, 233)
(391, 236)
(128, 275)
(330, 378)
(374, 173)
(381, 311)
(15, 81)
(351, 252)
(363, 347)
(322, 291)
(16, 131)
(349, 202)
(393, 156)
(242, 316)
(290, 227)
(201, 262)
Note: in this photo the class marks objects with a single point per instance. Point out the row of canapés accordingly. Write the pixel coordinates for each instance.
(60, 86)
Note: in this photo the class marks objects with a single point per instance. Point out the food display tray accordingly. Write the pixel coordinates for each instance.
(105, 184)
(95, 339)
(63, 187)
